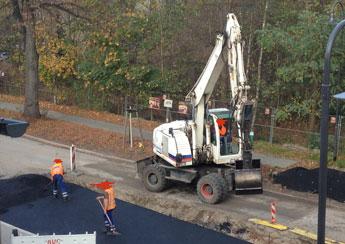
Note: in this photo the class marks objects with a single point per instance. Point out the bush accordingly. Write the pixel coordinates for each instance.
(314, 142)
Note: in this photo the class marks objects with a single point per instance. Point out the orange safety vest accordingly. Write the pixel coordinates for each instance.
(56, 169)
(110, 199)
(222, 130)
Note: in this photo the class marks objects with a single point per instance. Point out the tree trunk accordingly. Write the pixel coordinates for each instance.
(258, 85)
(249, 44)
(31, 107)
(17, 15)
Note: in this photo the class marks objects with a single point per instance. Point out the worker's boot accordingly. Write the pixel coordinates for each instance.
(106, 228)
(112, 231)
(66, 199)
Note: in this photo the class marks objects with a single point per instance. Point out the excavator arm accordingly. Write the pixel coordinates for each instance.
(227, 51)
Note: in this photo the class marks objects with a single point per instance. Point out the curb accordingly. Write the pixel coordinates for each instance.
(294, 230)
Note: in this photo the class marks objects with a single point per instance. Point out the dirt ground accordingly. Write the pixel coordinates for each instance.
(306, 180)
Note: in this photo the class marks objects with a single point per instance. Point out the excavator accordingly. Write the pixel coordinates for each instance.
(213, 149)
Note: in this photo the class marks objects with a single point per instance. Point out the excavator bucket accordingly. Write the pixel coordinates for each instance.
(250, 178)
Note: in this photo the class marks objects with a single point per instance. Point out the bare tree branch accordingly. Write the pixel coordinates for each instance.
(65, 8)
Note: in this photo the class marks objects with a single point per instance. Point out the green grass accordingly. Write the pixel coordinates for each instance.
(279, 151)
(341, 162)
(313, 156)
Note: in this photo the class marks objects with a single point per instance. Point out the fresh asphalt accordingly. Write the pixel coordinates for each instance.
(83, 213)
(147, 135)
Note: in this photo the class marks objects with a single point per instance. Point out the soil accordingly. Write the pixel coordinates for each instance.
(83, 136)
(307, 180)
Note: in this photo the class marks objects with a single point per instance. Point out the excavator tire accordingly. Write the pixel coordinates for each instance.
(154, 178)
(210, 188)
(229, 178)
(225, 187)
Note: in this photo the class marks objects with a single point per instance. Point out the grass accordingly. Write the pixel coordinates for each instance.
(341, 162)
(313, 156)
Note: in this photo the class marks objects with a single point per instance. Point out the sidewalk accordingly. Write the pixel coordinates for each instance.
(147, 135)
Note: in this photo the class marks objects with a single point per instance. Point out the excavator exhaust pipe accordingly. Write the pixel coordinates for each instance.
(248, 178)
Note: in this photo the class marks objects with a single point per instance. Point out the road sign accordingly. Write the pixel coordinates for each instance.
(168, 103)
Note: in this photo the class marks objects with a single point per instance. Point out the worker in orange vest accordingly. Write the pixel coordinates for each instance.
(57, 178)
(108, 206)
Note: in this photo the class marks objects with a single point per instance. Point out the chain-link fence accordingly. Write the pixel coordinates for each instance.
(165, 107)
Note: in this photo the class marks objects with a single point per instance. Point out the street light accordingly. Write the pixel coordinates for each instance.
(325, 95)
(331, 20)
(336, 132)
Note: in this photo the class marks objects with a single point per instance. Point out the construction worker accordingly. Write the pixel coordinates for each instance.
(57, 178)
(108, 206)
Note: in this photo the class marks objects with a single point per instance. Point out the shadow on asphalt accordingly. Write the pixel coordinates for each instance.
(25, 205)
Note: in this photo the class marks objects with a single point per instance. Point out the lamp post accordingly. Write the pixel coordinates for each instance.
(336, 132)
(325, 95)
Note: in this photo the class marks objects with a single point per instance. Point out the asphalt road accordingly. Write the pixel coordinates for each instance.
(47, 215)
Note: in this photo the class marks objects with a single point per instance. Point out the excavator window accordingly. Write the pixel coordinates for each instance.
(224, 126)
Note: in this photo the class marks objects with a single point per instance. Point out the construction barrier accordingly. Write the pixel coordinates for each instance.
(72, 157)
(273, 212)
(6, 231)
(55, 239)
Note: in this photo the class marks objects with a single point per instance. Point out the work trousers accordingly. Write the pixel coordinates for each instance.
(58, 179)
(106, 221)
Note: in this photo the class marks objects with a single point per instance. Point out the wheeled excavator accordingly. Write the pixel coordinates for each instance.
(205, 150)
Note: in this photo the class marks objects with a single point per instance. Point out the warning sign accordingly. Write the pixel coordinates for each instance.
(154, 102)
(182, 108)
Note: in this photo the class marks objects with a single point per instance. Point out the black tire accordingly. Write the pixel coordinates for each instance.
(154, 178)
(229, 178)
(210, 188)
(225, 187)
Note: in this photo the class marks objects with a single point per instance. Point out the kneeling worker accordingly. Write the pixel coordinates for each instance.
(57, 178)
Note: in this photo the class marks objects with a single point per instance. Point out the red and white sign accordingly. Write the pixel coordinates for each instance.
(72, 157)
(333, 120)
(267, 111)
(273, 212)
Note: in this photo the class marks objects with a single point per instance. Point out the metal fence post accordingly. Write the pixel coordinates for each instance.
(168, 111)
(335, 149)
(271, 126)
(339, 132)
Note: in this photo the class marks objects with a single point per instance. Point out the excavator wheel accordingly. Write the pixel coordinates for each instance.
(154, 178)
(210, 188)
(225, 187)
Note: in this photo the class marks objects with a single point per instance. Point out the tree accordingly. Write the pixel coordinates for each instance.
(27, 13)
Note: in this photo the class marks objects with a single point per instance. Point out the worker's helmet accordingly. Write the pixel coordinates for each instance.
(58, 161)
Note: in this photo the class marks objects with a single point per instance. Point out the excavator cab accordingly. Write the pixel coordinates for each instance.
(222, 122)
